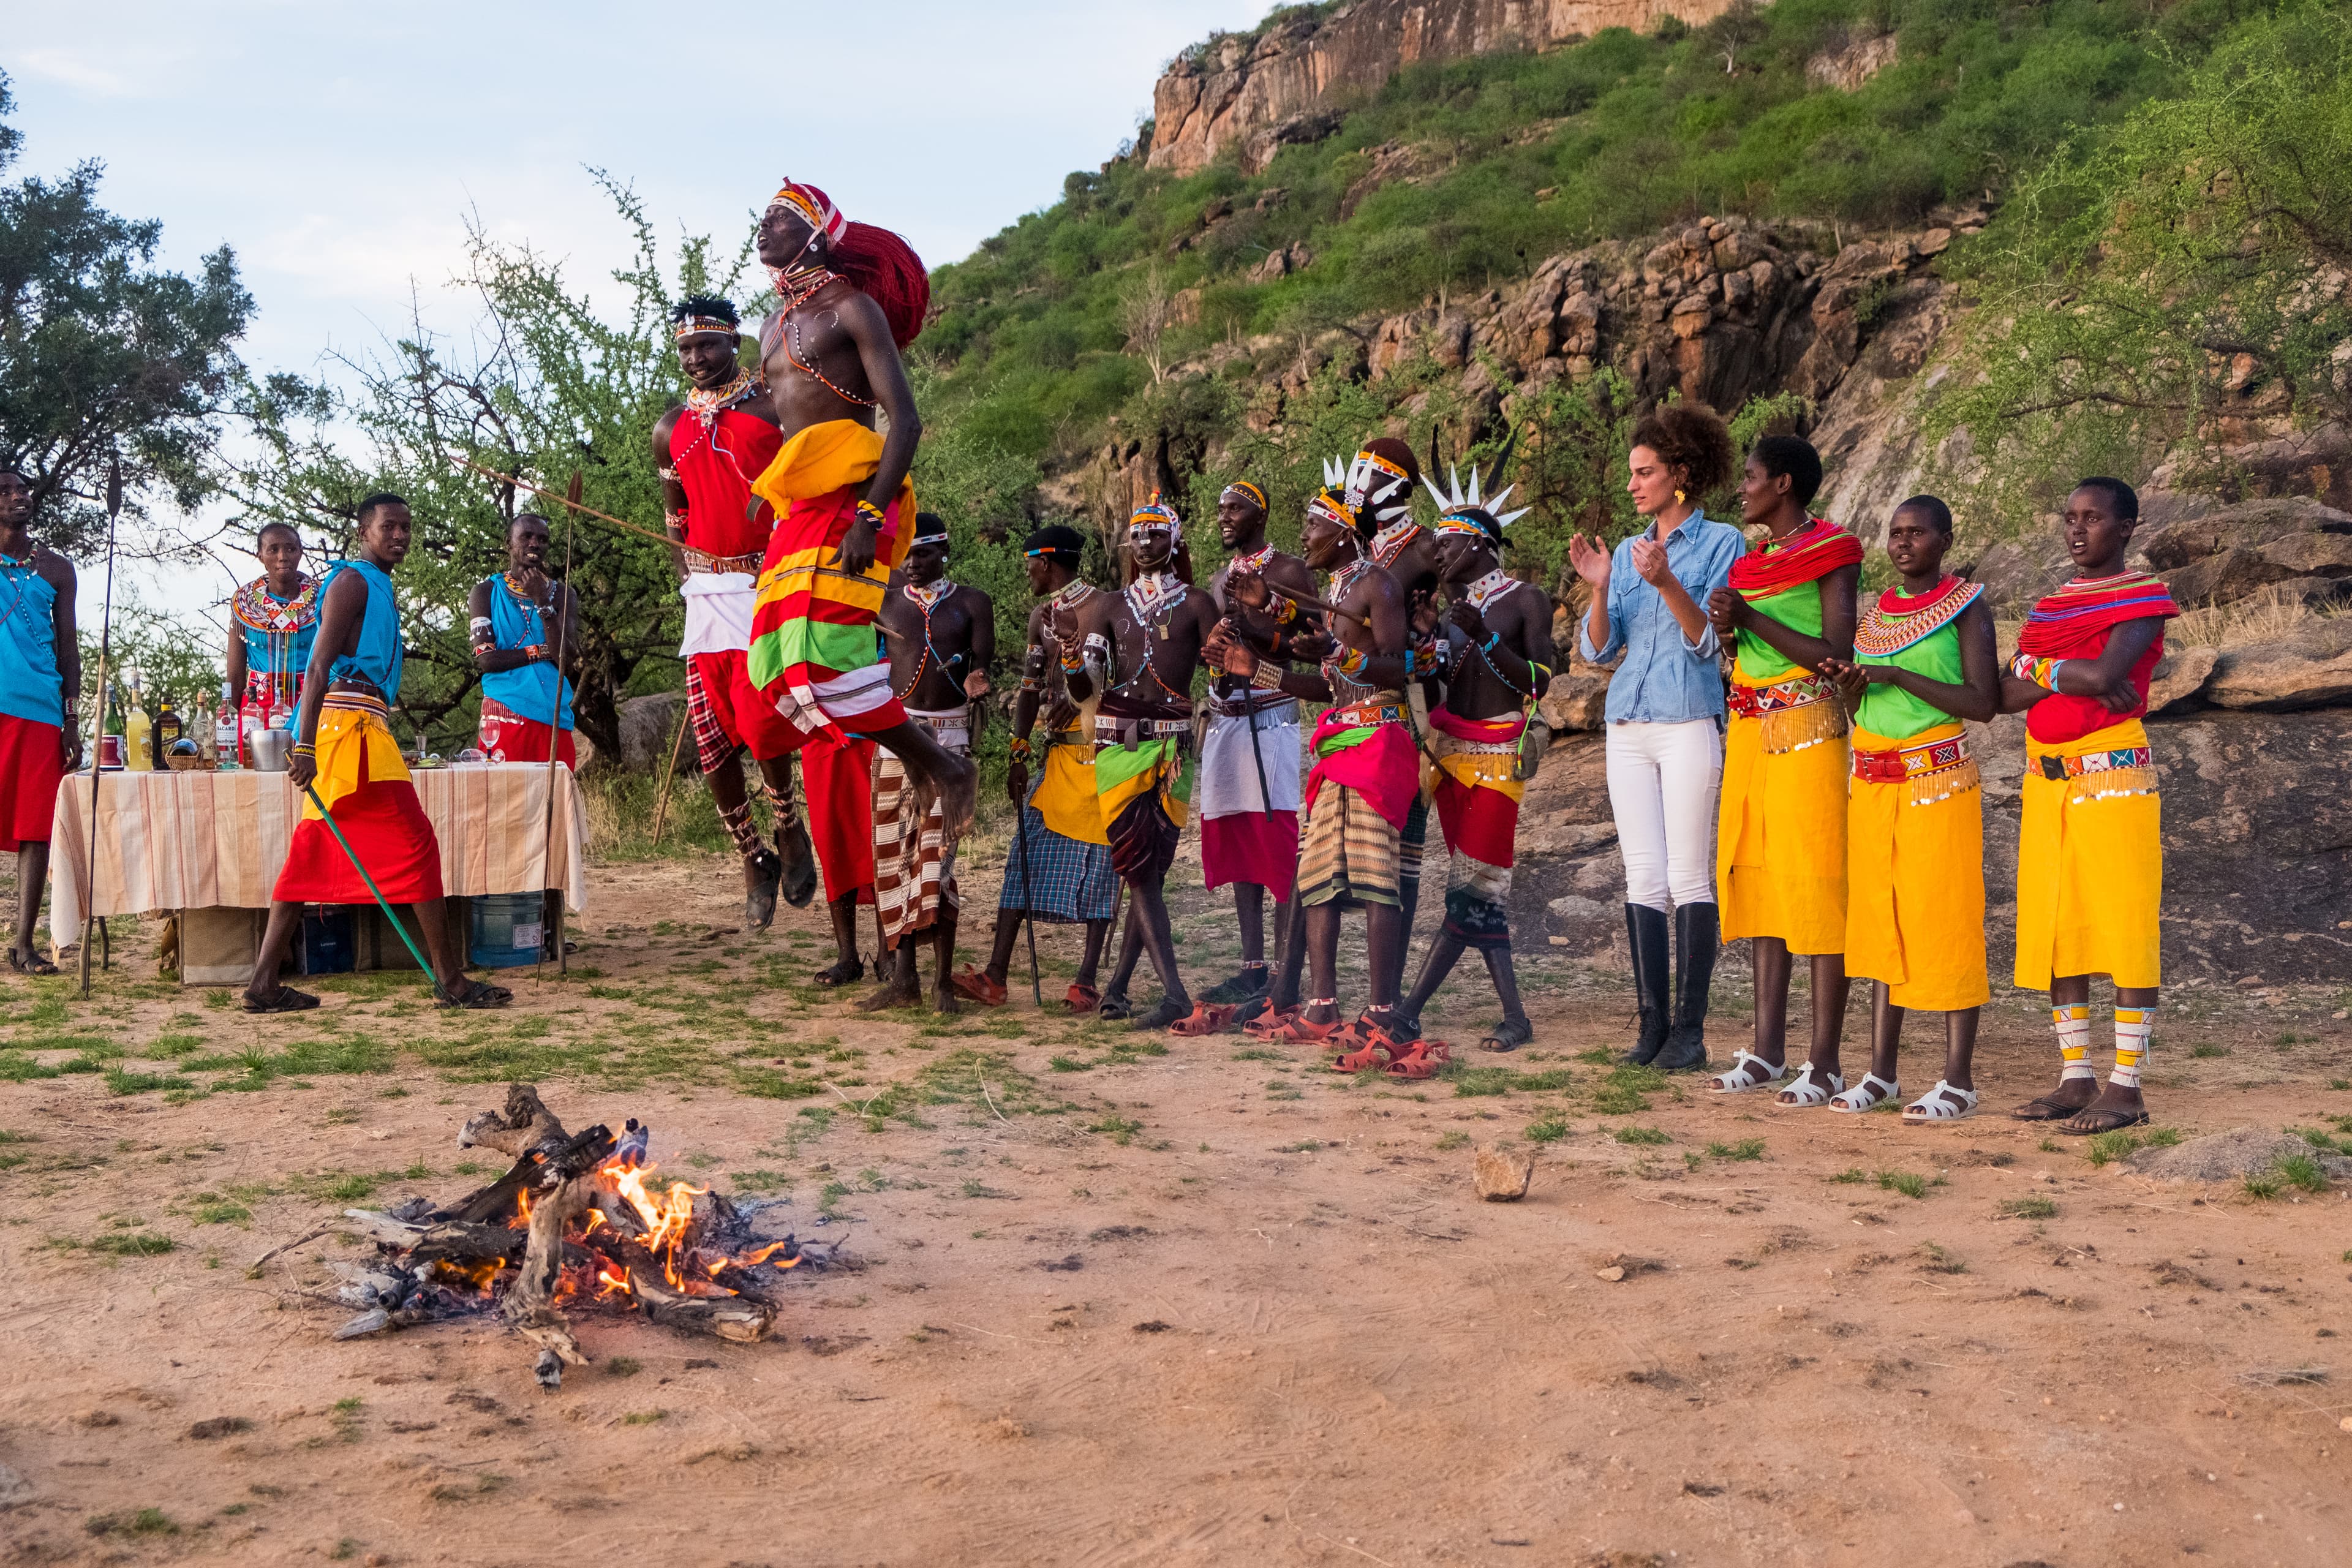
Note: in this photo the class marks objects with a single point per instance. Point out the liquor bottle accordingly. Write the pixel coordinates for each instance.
(168, 730)
(138, 730)
(224, 734)
(111, 743)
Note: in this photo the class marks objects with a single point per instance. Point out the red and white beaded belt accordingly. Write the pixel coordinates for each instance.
(1797, 691)
(1905, 762)
(697, 561)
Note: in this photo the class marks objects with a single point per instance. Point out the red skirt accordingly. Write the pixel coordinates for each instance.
(835, 772)
(506, 736)
(32, 765)
(388, 831)
(728, 712)
(1250, 846)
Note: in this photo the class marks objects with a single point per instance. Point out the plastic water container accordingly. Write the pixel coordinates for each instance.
(509, 929)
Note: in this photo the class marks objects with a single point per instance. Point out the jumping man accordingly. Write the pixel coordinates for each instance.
(1250, 764)
(1497, 661)
(707, 452)
(2090, 857)
(852, 297)
(943, 638)
(1138, 649)
(1059, 868)
(40, 677)
(344, 752)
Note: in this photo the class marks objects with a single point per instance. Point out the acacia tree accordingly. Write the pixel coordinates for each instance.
(101, 351)
(2193, 265)
(547, 386)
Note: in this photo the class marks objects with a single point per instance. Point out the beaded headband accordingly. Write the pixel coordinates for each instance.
(1247, 491)
(815, 206)
(694, 326)
(1331, 505)
(1157, 513)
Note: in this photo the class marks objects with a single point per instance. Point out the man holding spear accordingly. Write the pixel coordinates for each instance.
(363, 835)
(40, 676)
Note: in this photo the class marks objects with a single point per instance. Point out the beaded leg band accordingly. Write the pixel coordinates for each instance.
(738, 822)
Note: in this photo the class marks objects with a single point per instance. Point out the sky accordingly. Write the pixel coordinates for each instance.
(339, 148)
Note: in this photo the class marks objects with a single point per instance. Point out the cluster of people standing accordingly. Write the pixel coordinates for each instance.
(1821, 802)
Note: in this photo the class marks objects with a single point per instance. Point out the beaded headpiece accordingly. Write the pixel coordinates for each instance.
(1247, 491)
(690, 326)
(1157, 513)
(930, 528)
(1331, 503)
(1380, 481)
(815, 205)
(1474, 513)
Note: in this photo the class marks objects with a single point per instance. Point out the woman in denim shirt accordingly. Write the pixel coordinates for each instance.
(1666, 714)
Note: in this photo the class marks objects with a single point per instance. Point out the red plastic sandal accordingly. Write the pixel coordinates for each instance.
(972, 984)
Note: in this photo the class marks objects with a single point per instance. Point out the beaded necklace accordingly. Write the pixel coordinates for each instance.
(1151, 598)
(1390, 542)
(794, 297)
(926, 597)
(255, 606)
(1489, 588)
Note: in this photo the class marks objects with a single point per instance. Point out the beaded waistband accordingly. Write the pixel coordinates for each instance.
(2060, 769)
(1356, 714)
(1905, 762)
(357, 702)
(697, 561)
(1798, 691)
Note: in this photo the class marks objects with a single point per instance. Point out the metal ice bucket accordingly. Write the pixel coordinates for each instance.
(270, 749)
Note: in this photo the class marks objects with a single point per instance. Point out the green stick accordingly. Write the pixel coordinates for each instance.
(397, 929)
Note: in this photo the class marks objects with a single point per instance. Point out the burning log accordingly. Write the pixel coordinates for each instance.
(576, 1222)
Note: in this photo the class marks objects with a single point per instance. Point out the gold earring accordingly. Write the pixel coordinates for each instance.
(1679, 496)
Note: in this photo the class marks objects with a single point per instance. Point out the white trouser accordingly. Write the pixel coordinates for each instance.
(1662, 784)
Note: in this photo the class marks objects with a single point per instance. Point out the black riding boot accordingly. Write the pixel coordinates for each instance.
(1696, 937)
(1645, 934)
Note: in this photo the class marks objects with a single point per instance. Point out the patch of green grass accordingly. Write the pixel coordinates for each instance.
(130, 1244)
(768, 1083)
(1908, 1183)
(1549, 1129)
(2262, 1185)
(142, 1522)
(2034, 1207)
(1641, 1135)
(1057, 1063)
(640, 1417)
(761, 1181)
(2302, 1173)
(1119, 1130)
(2107, 1148)
(1852, 1176)
(2204, 1050)
(119, 1082)
(1940, 1261)
(2163, 1137)
(210, 1208)
(1256, 1054)
(1454, 1139)
(1746, 1149)
(1598, 1056)
(168, 1046)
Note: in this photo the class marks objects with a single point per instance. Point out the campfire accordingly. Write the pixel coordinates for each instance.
(580, 1223)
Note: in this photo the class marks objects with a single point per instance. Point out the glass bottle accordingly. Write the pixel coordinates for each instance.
(224, 734)
(138, 730)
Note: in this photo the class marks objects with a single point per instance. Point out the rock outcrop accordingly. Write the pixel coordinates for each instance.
(1261, 90)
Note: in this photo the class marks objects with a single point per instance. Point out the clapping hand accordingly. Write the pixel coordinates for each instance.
(1464, 614)
(1248, 589)
(1849, 678)
(1589, 558)
(1650, 561)
(1728, 609)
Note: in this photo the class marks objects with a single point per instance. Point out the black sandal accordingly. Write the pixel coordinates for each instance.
(1508, 1036)
(1115, 1006)
(848, 971)
(481, 998)
(2109, 1121)
(285, 999)
(30, 963)
(759, 898)
(2044, 1108)
(1167, 1012)
(800, 875)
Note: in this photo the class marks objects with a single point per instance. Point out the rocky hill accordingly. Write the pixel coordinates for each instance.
(1261, 90)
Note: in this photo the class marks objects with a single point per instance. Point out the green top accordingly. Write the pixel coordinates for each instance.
(1890, 710)
(1800, 609)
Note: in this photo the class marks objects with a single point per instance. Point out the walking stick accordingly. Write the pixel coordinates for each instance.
(570, 500)
(661, 804)
(554, 739)
(1029, 900)
(311, 789)
(97, 736)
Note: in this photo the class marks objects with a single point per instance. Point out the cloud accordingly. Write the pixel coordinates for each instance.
(75, 70)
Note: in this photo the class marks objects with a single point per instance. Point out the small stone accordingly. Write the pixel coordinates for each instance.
(97, 1418)
(1504, 1173)
(1613, 1273)
(2344, 1424)
(13, 1488)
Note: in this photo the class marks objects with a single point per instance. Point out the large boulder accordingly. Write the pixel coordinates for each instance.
(2311, 668)
(648, 729)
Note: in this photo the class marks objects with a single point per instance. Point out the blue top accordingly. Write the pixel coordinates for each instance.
(1667, 678)
(377, 661)
(529, 690)
(29, 687)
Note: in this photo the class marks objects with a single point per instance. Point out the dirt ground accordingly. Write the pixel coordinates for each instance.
(1111, 1299)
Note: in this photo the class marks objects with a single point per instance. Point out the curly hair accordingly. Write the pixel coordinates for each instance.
(1690, 436)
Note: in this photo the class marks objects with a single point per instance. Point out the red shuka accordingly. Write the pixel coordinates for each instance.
(716, 469)
(31, 765)
(389, 832)
(2075, 623)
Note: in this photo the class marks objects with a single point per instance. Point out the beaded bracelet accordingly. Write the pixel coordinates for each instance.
(1020, 746)
(1351, 661)
(867, 509)
(302, 751)
(1267, 676)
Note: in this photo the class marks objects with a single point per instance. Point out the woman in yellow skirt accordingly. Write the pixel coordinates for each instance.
(1924, 660)
(1780, 829)
(2090, 858)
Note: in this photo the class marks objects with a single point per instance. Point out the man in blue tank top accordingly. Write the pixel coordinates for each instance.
(346, 759)
(517, 618)
(40, 677)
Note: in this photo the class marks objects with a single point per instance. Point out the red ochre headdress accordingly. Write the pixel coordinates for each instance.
(884, 267)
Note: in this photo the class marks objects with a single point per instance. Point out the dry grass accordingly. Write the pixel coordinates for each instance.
(2264, 618)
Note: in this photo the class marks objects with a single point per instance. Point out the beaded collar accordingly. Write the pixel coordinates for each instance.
(797, 288)
(1152, 594)
(1070, 594)
(1489, 588)
(1390, 542)
(1254, 562)
(1894, 621)
(706, 405)
(255, 606)
(927, 595)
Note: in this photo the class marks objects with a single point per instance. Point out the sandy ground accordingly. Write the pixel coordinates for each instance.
(1211, 1305)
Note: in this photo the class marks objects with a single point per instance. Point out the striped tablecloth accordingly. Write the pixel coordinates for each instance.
(198, 840)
